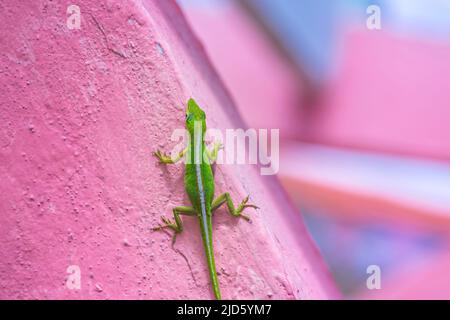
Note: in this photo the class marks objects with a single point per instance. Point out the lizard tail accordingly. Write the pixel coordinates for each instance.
(208, 245)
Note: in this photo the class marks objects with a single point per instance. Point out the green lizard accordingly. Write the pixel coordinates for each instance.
(199, 185)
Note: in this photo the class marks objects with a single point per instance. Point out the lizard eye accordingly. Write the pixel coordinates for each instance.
(189, 117)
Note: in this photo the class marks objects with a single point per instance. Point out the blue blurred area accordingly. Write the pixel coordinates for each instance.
(423, 18)
(349, 248)
(310, 29)
(305, 29)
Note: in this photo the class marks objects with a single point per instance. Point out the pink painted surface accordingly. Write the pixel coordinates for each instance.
(81, 112)
(390, 94)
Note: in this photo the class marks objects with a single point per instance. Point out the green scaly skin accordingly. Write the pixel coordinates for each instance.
(199, 185)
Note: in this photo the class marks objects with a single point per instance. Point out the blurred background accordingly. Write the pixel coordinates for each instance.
(360, 91)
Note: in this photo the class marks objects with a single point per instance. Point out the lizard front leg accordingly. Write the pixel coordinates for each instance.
(165, 159)
(225, 198)
(212, 154)
(178, 225)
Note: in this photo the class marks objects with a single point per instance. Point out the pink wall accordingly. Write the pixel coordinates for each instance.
(390, 94)
(81, 112)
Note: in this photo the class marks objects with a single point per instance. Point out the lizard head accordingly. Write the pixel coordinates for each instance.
(194, 114)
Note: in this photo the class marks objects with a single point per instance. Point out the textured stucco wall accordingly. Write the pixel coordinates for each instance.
(81, 111)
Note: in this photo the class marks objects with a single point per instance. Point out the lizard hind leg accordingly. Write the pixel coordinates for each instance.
(235, 212)
(176, 226)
